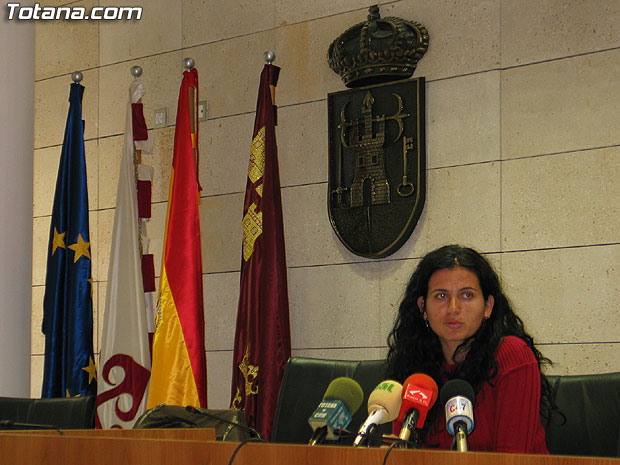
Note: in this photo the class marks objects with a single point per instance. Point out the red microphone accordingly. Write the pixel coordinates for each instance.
(419, 395)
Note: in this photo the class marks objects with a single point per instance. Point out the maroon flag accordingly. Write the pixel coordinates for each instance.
(262, 337)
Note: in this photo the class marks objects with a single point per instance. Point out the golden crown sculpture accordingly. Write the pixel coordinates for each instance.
(378, 50)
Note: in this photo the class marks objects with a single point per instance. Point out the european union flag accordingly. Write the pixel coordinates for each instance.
(68, 306)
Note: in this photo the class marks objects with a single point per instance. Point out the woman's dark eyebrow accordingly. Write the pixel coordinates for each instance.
(461, 289)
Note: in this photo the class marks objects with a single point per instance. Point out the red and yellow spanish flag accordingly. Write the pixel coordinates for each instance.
(179, 369)
(262, 338)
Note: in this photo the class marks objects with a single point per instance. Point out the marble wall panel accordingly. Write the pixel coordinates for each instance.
(463, 120)
(37, 338)
(40, 243)
(225, 154)
(230, 73)
(301, 51)
(566, 295)
(561, 200)
(287, 12)
(204, 22)
(158, 31)
(582, 359)
(110, 151)
(51, 104)
(303, 143)
(221, 232)
(464, 35)
(342, 353)
(557, 28)
(101, 296)
(62, 47)
(309, 237)
(221, 296)
(219, 378)
(462, 206)
(335, 306)
(563, 105)
(95, 247)
(36, 375)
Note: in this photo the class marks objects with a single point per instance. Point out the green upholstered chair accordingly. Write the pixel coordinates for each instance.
(591, 407)
(303, 385)
(63, 413)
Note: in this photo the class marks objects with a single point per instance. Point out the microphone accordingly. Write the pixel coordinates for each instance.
(458, 397)
(10, 424)
(248, 429)
(383, 406)
(341, 400)
(419, 395)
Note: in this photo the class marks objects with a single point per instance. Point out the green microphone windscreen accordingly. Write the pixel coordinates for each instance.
(346, 390)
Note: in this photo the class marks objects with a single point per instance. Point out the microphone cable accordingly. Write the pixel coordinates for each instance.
(248, 429)
(399, 443)
(241, 444)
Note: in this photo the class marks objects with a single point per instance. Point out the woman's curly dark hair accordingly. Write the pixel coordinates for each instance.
(414, 348)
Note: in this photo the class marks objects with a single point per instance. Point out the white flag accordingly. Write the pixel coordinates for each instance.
(125, 362)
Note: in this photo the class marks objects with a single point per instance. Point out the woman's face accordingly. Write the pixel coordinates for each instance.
(454, 307)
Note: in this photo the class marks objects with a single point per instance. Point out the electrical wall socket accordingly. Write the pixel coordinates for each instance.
(161, 115)
(202, 110)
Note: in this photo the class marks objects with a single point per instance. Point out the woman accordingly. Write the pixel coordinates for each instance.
(456, 323)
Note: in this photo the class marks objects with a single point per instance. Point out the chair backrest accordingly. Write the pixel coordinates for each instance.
(591, 405)
(303, 384)
(66, 413)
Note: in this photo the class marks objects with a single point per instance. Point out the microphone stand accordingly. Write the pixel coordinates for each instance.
(10, 424)
(460, 437)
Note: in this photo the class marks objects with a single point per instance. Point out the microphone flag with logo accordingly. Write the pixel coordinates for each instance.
(179, 371)
(262, 337)
(419, 395)
(383, 406)
(458, 397)
(342, 399)
(69, 369)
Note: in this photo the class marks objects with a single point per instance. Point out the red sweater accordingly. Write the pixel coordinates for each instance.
(507, 414)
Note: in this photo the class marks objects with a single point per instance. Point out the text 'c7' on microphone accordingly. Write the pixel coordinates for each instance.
(458, 397)
(383, 406)
(419, 395)
(341, 400)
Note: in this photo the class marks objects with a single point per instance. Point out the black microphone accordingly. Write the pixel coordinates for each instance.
(245, 428)
(458, 397)
(10, 424)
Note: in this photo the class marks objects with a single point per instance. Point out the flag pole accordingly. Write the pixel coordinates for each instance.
(270, 57)
(188, 64)
(136, 72)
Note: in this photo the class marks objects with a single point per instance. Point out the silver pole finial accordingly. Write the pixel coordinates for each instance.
(188, 63)
(269, 56)
(77, 76)
(136, 71)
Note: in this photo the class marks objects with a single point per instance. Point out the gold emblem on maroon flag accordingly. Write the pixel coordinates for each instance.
(250, 373)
